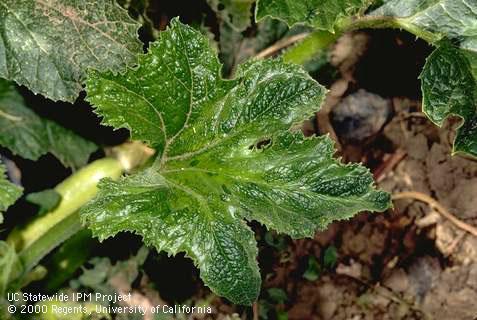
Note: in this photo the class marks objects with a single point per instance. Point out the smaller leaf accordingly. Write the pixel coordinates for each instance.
(434, 19)
(9, 192)
(282, 315)
(29, 136)
(99, 277)
(449, 87)
(330, 257)
(277, 295)
(313, 271)
(279, 242)
(47, 200)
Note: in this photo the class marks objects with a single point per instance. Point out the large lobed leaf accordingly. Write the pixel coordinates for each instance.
(29, 136)
(226, 156)
(320, 14)
(9, 193)
(47, 45)
(449, 84)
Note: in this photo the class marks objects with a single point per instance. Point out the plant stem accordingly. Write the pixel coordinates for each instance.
(381, 22)
(320, 40)
(281, 44)
(39, 237)
(43, 234)
(311, 46)
(75, 191)
(57, 234)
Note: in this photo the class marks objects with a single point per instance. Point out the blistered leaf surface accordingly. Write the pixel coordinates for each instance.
(47, 45)
(450, 88)
(320, 14)
(226, 156)
(29, 136)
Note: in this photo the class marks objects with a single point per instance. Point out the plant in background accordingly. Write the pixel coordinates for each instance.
(449, 77)
(227, 151)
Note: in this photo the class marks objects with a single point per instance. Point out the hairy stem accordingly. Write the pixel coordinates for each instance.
(320, 40)
(43, 234)
(380, 22)
(310, 47)
(39, 237)
(75, 191)
(57, 234)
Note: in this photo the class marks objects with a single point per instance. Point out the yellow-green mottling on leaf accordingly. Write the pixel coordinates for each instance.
(47, 45)
(28, 135)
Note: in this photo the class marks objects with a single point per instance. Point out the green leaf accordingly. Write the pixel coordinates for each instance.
(319, 14)
(9, 192)
(225, 155)
(450, 88)
(29, 136)
(236, 13)
(47, 45)
(47, 200)
(330, 257)
(100, 276)
(313, 270)
(277, 295)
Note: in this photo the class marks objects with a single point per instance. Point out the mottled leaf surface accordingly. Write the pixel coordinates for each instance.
(450, 88)
(226, 156)
(449, 76)
(29, 136)
(47, 45)
(320, 14)
(9, 192)
(236, 13)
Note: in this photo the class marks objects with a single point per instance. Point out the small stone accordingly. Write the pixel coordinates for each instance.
(327, 309)
(354, 270)
(360, 115)
(398, 281)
